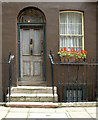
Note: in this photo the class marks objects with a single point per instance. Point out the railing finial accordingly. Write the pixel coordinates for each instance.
(51, 57)
(11, 57)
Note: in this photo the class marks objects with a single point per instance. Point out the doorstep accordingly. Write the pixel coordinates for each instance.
(32, 104)
(50, 104)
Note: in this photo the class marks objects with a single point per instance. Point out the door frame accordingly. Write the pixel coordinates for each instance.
(18, 47)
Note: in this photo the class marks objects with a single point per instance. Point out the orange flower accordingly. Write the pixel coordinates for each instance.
(78, 53)
(85, 51)
(72, 50)
(61, 49)
(67, 51)
(82, 52)
(64, 49)
(72, 53)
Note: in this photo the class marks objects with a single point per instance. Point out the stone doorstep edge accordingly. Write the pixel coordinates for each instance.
(33, 106)
(50, 105)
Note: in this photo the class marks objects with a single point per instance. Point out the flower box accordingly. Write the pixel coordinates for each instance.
(68, 59)
(81, 59)
(72, 55)
(72, 59)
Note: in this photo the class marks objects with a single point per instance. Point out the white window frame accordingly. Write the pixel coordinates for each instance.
(66, 35)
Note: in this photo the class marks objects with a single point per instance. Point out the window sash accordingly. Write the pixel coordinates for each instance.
(71, 29)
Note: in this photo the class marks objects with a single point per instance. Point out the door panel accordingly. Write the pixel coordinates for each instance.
(26, 68)
(37, 42)
(31, 61)
(25, 42)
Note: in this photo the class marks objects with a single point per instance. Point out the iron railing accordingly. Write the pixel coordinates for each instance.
(75, 81)
(10, 73)
(6, 77)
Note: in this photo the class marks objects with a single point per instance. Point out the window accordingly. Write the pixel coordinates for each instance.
(31, 15)
(74, 93)
(71, 30)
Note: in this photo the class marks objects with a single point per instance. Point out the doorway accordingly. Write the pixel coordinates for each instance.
(31, 47)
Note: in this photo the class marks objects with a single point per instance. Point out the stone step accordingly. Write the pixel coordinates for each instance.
(32, 83)
(32, 97)
(50, 104)
(32, 89)
(33, 104)
(32, 94)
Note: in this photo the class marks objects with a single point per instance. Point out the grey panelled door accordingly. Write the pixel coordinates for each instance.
(31, 59)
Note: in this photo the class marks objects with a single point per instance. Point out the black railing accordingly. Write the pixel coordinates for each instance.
(6, 74)
(52, 73)
(10, 73)
(75, 81)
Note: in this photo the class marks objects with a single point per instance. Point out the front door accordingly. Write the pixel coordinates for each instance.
(31, 54)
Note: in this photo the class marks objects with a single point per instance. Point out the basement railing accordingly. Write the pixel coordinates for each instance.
(75, 81)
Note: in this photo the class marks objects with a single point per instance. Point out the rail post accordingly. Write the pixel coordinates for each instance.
(52, 73)
(10, 72)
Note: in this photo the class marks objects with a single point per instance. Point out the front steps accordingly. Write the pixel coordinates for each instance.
(32, 94)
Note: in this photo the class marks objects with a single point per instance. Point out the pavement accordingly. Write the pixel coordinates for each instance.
(66, 113)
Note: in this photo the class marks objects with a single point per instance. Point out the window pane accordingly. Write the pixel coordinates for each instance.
(78, 29)
(63, 29)
(70, 17)
(75, 95)
(61, 41)
(74, 42)
(79, 95)
(63, 18)
(80, 41)
(78, 17)
(70, 39)
(65, 41)
(70, 28)
(74, 39)
(77, 43)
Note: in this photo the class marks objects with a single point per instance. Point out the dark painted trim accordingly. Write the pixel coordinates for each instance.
(44, 52)
(18, 50)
